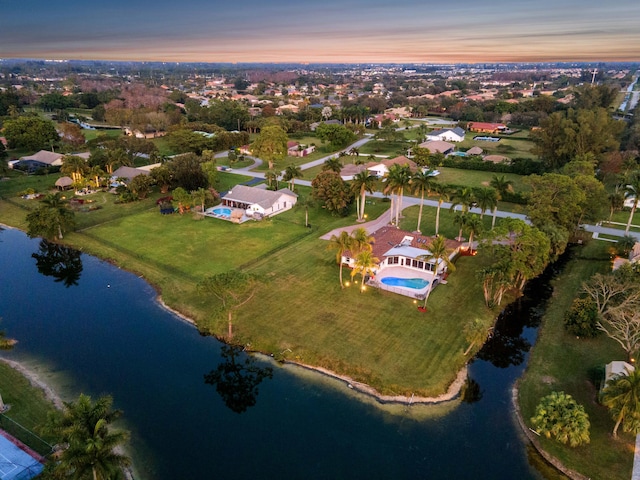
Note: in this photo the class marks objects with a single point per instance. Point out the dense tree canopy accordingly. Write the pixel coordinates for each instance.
(30, 132)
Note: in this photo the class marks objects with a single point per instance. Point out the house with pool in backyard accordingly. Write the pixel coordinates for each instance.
(402, 268)
(243, 203)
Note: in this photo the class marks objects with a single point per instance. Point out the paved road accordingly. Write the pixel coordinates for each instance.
(410, 201)
(320, 161)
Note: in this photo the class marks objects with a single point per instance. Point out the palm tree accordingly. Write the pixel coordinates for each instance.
(93, 445)
(559, 416)
(460, 219)
(365, 264)
(97, 173)
(271, 176)
(501, 184)
(333, 164)
(361, 240)
(74, 166)
(464, 197)
(397, 178)
(422, 181)
(622, 396)
(5, 344)
(290, 174)
(443, 196)
(473, 225)
(616, 200)
(340, 243)
(632, 191)
(362, 183)
(438, 252)
(486, 199)
(51, 217)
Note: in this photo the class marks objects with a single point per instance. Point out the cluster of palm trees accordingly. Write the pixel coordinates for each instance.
(423, 182)
(359, 244)
(81, 173)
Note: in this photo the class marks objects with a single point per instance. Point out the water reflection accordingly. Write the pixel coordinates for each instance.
(236, 379)
(471, 392)
(60, 262)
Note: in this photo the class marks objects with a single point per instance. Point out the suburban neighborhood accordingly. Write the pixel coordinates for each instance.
(373, 224)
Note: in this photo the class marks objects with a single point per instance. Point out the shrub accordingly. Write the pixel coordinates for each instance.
(582, 318)
(560, 417)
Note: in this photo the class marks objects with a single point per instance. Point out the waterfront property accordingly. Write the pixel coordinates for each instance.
(403, 268)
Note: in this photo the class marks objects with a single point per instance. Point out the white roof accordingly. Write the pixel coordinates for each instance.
(407, 251)
(616, 369)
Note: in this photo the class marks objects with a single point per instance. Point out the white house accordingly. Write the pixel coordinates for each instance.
(447, 134)
(257, 202)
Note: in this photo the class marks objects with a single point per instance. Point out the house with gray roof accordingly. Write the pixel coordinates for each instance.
(447, 134)
(258, 202)
(41, 159)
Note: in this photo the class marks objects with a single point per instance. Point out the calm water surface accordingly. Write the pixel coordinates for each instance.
(89, 327)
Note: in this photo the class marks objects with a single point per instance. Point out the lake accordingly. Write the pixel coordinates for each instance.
(87, 326)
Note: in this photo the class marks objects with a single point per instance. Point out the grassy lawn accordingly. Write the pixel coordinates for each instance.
(476, 178)
(29, 408)
(379, 147)
(562, 362)
(163, 146)
(299, 312)
(513, 146)
(93, 134)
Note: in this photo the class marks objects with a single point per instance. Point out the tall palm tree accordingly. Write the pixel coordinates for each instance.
(333, 164)
(438, 252)
(271, 176)
(362, 183)
(340, 243)
(397, 179)
(616, 200)
(60, 216)
(93, 445)
(443, 196)
(473, 225)
(422, 181)
(75, 167)
(365, 264)
(486, 199)
(632, 191)
(291, 173)
(463, 196)
(622, 396)
(460, 219)
(96, 173)
(502, 185)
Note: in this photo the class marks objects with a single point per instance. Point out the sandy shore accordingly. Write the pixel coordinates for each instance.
(34, 380)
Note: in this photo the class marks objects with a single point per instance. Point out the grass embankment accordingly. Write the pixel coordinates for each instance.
(562, 362)
(300, 312)
(29, 408)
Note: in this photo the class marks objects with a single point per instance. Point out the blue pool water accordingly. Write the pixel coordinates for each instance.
(459, 154)
(416, 283)
(225, 212)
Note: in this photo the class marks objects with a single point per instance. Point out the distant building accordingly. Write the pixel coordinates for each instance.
(483, 127)
(447, 134)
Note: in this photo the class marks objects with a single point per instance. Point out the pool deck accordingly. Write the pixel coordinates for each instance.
(402, 272)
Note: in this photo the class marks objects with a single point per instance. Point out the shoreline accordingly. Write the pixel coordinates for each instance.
(452, 392)
(50, 394)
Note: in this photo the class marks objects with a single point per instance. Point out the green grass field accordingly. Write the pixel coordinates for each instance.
(29, 408)
(300, 312)
(562, 362)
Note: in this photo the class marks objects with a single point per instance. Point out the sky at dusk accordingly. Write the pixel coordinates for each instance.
(328, 31)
